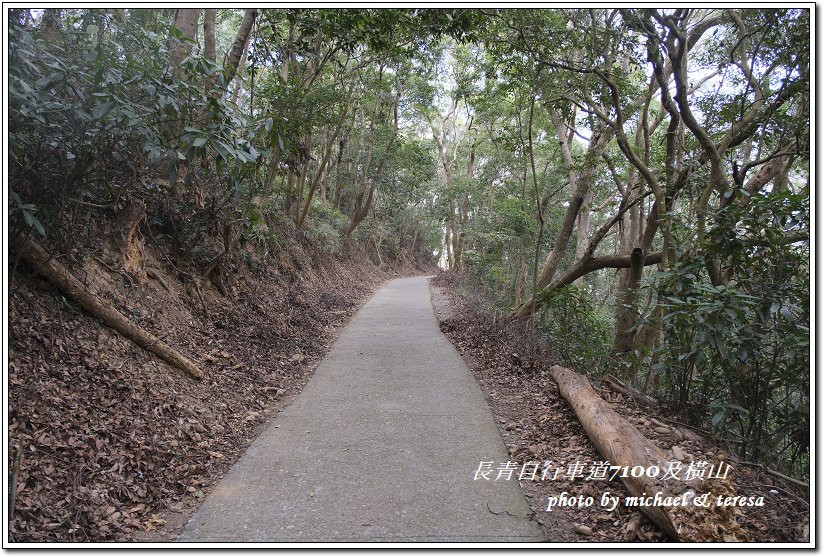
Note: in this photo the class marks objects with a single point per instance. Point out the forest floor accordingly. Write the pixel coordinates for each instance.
(115, 444)
(538, 425)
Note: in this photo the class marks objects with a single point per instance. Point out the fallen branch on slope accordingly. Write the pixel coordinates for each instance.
(786, 478)
(36, 256)
(617, 385)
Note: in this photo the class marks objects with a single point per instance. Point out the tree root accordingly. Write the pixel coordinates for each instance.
(17, 454)
(199, 295)
(155, 275)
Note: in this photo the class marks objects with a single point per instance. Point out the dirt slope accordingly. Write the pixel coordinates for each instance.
(114, 442)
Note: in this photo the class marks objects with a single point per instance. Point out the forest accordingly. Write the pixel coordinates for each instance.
(629, 185)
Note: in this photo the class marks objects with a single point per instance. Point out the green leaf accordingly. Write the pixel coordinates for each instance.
(199, 142)
(31, 220)
(228, 151)
(177, 33)
(49, 79)
(269, 124)
(172, 173)
(102, 109)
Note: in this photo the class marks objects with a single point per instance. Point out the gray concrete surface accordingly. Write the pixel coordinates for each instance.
(381, 446)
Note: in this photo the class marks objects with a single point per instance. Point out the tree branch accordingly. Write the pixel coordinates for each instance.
(605, 262)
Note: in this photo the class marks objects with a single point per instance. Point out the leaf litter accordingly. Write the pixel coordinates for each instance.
(115, 444)
(511, 366)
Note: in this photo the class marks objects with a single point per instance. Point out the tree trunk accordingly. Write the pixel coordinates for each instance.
(414, 243)
(322, 188)
(209, 49)
(363, 200)
(458, 247)
(629, 235)
(463, 209)
(520, 276)
(596, 264)
(327, 154)
(50, 25)
(239, 82)
(34, 254)
(438, 135)
(239, 45)
(304, 172)
(627, 314)
(361, 207)
(186, 20)
(579, 182)
(336, 186)
(290, 192)
(583, 231)
(450, 262)
(456, 253)
(123, 234)
(622, 445)
(550, 265)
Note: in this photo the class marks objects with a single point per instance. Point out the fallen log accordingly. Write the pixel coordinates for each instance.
(799, 483)
(620, 443)
(619, 386)
(36, 256)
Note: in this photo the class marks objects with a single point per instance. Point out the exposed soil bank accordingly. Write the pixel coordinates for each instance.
(114, 443)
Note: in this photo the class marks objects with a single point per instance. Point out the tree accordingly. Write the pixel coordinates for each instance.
(609, 173)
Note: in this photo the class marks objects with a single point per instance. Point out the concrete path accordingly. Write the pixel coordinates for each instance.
(381, 446)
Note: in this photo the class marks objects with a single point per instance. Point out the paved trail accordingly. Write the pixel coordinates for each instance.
(380, 446)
